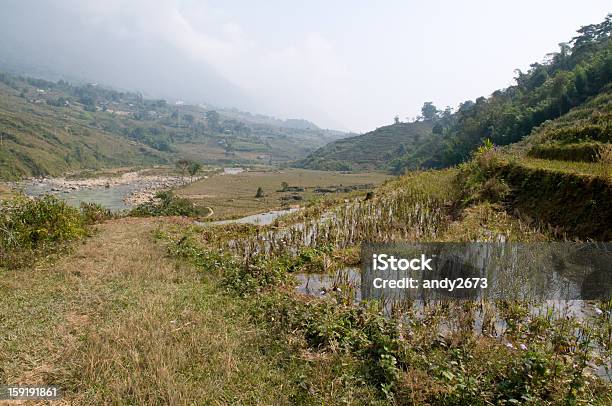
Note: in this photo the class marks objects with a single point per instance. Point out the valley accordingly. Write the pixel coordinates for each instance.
(49, 128)
(162, 253)
(233, 196)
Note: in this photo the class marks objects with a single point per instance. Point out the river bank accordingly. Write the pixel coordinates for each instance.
(115, 192)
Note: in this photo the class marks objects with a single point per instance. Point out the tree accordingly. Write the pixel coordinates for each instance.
(396, 119)
(437, 129)
(447, 113)
(284, 186)
(189, 118)
(212, 118)
(429, 111)
(581, 80)
(259, 193)
(183, 166)
(194, 168)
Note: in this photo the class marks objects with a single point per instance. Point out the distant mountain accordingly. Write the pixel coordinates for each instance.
(300, 124)
(294, 123)
(375, 150)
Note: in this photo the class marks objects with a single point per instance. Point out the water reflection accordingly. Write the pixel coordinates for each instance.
(111, 197)
(260, 219)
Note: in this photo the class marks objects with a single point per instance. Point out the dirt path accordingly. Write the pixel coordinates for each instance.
(117, 321)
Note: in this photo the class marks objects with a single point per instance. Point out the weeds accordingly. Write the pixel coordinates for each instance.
(518, 355)
(477, 180)
(33, 228)
(94, 213)
(166, 204)
(604, 155)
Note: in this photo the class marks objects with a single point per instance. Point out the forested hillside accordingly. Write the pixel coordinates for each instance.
(37, 138)
(48, 128)
(583, 134)
(372, 151)
(577, 73)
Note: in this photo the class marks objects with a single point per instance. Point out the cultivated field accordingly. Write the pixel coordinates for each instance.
(234, 195)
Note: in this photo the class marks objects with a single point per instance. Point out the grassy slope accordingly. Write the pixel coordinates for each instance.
(43, 140)
(553, 182)
(46, 129)
(590, 122)
(373, 150)
(117, 322)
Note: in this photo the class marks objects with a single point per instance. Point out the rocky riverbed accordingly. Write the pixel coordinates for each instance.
(117, 192)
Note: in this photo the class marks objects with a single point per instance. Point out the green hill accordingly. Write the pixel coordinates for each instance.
(560, 176)
(580, 71)
(49, 128)
(371, 151)
(40, 139)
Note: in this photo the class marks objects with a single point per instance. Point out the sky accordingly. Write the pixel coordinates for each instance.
(348, 65)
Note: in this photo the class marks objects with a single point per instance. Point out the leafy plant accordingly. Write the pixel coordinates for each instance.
(166, 204)
(94, 213)
(33, 227)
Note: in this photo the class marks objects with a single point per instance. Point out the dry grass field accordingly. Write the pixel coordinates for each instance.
(234, 195)
(117, 322)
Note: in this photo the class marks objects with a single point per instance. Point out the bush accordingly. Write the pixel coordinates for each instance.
(30, 228)
(94, 213)
(166, 204)
(477, 179)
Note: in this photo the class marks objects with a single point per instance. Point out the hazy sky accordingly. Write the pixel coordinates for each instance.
(342, 64)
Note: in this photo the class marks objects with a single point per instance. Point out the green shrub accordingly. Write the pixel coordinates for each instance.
(254, 275)
(34, 227)
(477, 180)
(94, 213)
(310, 259)
(584, 152)
(166, 204)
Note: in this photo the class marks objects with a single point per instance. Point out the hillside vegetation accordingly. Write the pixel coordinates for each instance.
(49, 128)
(583, 134)
(39, 139)
(375, 150)
(559, 177)
(578, 72)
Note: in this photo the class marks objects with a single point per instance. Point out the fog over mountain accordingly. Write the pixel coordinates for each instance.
(83, 42)
(343, 64)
